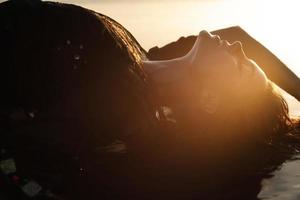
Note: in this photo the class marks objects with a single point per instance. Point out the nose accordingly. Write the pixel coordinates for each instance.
(205, 35)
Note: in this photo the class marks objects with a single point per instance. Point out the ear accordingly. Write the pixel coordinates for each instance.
(209, 101)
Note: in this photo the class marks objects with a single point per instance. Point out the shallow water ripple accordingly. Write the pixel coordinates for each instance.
(284, 184)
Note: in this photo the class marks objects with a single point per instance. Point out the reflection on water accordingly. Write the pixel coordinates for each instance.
(284, 185)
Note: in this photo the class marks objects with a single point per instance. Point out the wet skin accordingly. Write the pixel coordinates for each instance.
(212, 68)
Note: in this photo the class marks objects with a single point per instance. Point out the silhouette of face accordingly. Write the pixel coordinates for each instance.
(221, 69)
(220, 65)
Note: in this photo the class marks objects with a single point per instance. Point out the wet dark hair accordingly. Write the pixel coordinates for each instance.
(72, 83)
(63, 60)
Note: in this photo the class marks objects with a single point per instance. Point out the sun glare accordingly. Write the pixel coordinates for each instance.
(156, 23)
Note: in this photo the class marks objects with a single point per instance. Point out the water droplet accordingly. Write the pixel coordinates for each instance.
(81, 170)
(81, 46)
(68, 42)
(58, 48)
(31, 114)
(75, 67)
(157, 115)
(76, 57)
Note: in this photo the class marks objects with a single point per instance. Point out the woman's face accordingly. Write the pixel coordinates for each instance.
(224, 66)
(221, 69)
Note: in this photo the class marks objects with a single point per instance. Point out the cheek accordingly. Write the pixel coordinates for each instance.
(256, 81)
(227, 67)
(226, 73)
(218, 71)
(261, 76)
(260, 81)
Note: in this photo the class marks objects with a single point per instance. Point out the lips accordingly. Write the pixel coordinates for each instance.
(236, 49)
(214, 41)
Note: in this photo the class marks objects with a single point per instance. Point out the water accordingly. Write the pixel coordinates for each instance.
(160, 22)
(285, 184)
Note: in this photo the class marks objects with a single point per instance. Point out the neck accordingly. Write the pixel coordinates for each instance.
(166, 71)
(165, 76)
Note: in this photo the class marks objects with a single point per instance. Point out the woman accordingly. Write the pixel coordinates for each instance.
(216, 78)
(77, 87)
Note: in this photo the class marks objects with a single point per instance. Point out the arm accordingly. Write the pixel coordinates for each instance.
(276, 71)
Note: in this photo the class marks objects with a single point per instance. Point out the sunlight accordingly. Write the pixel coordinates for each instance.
(273, 23)
(156, 23)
